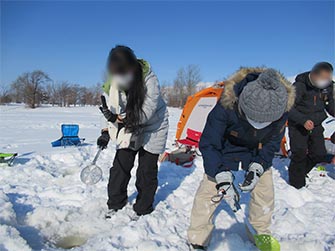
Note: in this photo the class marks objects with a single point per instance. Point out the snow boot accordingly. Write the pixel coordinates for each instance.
(196, 247)
(110, 213)
(265, 242)
(322, 170)
(134, 216)
(7, 158)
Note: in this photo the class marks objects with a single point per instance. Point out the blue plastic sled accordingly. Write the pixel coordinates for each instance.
(69, 136)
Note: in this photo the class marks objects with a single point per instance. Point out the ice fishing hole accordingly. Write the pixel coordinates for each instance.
(70, 241)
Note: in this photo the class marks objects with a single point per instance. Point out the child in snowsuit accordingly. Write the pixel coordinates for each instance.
(314, 96)
(245, 127)
(137, 120)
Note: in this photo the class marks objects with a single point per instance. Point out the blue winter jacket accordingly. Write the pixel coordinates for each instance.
(229, 139)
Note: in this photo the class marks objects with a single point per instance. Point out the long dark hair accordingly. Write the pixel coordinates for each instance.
(121, 60)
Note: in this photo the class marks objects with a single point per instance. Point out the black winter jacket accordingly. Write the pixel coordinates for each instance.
(311, 102)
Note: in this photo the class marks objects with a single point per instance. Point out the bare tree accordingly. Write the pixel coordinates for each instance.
(73, 96)
(179, 88)
(17, 92)
(5, 94)
(51, 93)
(165, 91)
(82, 96)
(63, 91)
(184, 85)
(192, 78)
(30, 86)
(88, 97)
(97, 91)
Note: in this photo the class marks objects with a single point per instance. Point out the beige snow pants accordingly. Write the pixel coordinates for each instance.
(260, 209)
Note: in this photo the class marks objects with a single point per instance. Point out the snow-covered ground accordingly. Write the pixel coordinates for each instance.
(44, 205)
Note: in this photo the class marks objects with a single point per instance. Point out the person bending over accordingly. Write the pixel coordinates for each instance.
(245, 128)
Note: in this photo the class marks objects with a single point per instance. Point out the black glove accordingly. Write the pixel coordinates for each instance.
(111, 117)
(103, 140)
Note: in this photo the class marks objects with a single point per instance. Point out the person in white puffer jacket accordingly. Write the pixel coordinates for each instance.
(137, 121)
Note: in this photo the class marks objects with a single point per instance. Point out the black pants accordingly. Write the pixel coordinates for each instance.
(146, 180)
(308, 149)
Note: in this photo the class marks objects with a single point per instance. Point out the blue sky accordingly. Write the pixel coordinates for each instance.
(71, 40)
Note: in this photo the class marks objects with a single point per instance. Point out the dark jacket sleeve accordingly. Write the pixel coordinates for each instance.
(295, 115)
(267, 153)
(211, 140)
(330, 107)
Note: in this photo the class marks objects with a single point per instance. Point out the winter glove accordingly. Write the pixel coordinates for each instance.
(252, 176)
(227, 190)
(103, 140)
(111, 117)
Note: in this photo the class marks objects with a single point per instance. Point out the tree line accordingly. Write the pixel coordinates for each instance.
(36, 88)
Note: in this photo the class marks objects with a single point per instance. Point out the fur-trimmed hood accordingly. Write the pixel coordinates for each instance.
(231, 91)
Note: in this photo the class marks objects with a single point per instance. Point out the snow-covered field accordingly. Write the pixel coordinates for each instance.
(44, 205)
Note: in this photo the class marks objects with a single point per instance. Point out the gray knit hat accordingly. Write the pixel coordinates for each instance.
(265, 99)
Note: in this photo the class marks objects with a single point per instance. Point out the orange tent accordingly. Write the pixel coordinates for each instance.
(197, 108)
